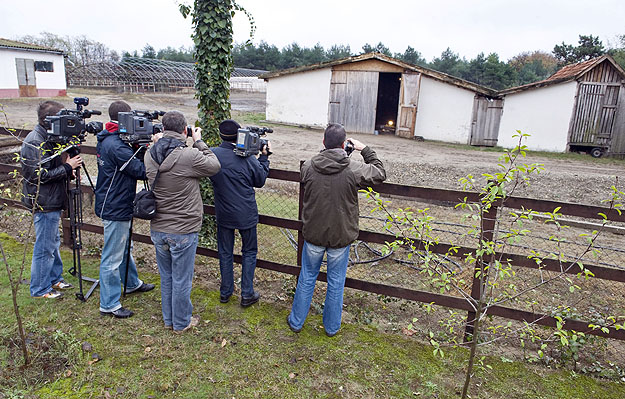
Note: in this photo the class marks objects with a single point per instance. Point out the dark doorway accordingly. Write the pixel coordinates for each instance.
(388, 100)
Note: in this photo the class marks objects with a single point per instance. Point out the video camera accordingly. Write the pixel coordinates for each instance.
(249, 141)
(137, 127)
(68, 125)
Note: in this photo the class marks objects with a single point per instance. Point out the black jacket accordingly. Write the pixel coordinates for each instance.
(51, 174)
(115, 190)
(235, 200)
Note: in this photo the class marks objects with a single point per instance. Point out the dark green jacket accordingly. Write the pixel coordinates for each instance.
(331, 183)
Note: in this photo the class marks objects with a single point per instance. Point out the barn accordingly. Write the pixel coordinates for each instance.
(373, 93)
(581, 107)
(28, 70)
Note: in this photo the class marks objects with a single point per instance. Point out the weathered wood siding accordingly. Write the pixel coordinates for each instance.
(408, 104)
(486, 119)
(369, 65)
(602, 73)
(353, 100)
(617, 147)
(594, 114)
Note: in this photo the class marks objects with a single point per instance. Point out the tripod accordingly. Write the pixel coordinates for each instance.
(75, 223)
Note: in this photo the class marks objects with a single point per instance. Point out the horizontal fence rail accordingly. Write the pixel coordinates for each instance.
(423, 194)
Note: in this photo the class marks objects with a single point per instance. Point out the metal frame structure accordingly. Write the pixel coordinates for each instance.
(136, 74)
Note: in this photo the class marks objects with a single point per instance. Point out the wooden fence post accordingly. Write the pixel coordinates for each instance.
(488, 221)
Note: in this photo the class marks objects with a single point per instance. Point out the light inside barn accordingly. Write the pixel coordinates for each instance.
(390, 123)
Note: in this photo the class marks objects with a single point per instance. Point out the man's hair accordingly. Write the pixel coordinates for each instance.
(334, 136)
(116, 107)
(174, 120)
(48, 108)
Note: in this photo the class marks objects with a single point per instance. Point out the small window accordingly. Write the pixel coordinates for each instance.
(44, 66)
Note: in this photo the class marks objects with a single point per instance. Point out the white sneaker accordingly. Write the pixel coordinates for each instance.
(194, 322)
(54, 294)
(62, 285)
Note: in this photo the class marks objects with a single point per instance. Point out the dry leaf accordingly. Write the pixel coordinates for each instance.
(68, 373)
(408, 332)
(107, 395)
(223, 342)
(147, 349)
(292, 375)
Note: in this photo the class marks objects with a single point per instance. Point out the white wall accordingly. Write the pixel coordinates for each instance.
(299, 98)
(44, 80)
(545, 113)
(444, 112)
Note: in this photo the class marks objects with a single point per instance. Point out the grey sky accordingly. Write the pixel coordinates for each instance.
(506, 27)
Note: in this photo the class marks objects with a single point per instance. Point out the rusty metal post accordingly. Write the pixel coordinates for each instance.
(489, 219)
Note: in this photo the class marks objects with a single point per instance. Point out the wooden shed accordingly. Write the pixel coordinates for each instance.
(373, 93)
(581, 107)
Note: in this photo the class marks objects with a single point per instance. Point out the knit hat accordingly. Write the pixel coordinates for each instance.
(228, 130)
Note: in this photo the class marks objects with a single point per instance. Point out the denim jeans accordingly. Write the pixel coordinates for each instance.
(312, 256)
(46, 267)
(113, 265)
(175, 256)
(249, 249)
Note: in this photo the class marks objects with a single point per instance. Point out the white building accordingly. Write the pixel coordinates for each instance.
(579, 108)
(28, 70)
(373, 92)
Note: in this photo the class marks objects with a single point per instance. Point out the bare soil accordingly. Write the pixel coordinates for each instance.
(567, 177)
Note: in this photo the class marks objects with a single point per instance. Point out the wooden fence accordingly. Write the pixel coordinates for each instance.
(422, 194)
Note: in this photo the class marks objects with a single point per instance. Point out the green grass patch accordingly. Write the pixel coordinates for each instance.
(248, 353)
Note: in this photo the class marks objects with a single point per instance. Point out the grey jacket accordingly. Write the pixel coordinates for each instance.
(179, 206)
(331, 183)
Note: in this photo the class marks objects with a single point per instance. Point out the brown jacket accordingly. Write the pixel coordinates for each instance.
(179, 207)
(331, 182)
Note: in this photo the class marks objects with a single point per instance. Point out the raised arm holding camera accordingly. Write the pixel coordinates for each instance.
(330, 221)
(235, 204)
(45, 191)
(175, 171)
(118, 172)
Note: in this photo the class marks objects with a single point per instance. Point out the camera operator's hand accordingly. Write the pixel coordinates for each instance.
(197, 134)
(74, 162)
(156, 137)
(267, 148)
(141, 153)
(358, 146)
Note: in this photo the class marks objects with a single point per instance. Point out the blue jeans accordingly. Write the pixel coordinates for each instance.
(249, 249)
(175, 256)
(46, 267)
(312, 256)
(113, 265)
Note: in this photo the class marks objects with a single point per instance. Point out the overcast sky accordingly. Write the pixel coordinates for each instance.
(468, 27)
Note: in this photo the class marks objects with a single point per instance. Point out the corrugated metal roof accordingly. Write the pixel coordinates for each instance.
(6, 43)
(379, 56)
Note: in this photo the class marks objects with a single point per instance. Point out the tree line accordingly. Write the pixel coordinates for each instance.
(484, 69)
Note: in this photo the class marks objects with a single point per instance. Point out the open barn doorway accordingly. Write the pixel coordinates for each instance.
(387, 104)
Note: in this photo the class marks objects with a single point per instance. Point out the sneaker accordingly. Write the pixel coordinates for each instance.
(121, 313)
(54, 294)
(224, 298)
(62, 285)
(194, 322)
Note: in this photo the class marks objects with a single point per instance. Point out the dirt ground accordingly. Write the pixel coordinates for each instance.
(569, 178)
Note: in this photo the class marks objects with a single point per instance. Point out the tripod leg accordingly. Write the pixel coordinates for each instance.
(128, 256)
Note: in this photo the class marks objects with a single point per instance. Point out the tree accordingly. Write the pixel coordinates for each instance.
(292, 56)
(338, 51)
(533, 66)
(314, 55)
(378, 48)
(450, 63)
(411, 56)
(617, 51)
(588, 47)
(148, 52)
(80, 50)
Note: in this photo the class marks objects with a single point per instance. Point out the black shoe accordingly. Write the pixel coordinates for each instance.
(144, 287)
(295, 330)
(331, 335)
(224, 298)
(121, 313)
(245, 302)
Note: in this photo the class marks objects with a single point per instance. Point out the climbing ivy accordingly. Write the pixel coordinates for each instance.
(212, 36)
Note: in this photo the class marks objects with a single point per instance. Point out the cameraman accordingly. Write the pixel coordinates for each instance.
(114, 193)
(330, 222)
(45, 192)
(179, 212)
(235, 208)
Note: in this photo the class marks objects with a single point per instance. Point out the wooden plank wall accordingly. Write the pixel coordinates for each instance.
(602, 73)
(617, 148)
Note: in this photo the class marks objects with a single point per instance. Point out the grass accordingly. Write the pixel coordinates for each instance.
(248, 353)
